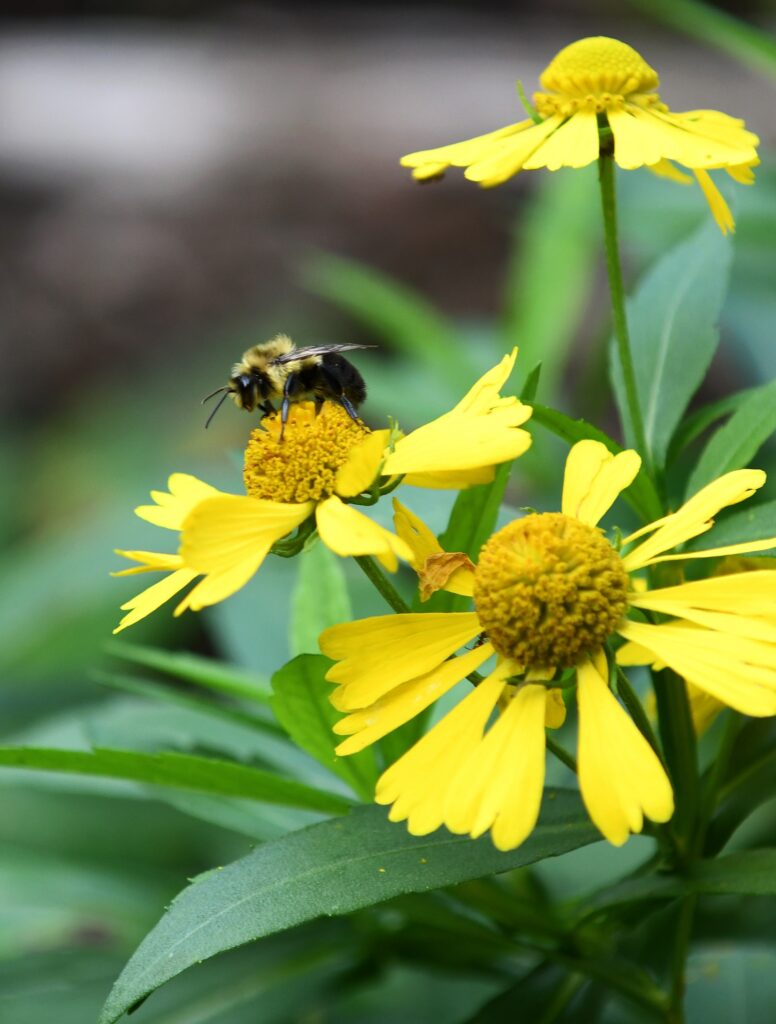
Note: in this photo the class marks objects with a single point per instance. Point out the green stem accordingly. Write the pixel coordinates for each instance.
(679, 744)
(561, 753)
(637, 712)
(382, 584)
(609, 209)
(675, 1013)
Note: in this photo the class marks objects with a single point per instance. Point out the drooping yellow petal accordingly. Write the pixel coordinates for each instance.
(405, 701)
(620, 776)
(736, 670)
(415, 534)
(719, 208)
(150, 561)
(555, 712)
(728, 131)
(508, 157)
(665, 169)
(694, 517)
(348, 532)
(417, 783)
(574, 144)
(375, 655)
(455, 442)
(358, 473)
(231, 529)
(745, 593)
(154, 597)
(499, 785)
(172, 508)
(433, 162)
(742, 173)
(747, 547)
(703, 708)
(594, 478)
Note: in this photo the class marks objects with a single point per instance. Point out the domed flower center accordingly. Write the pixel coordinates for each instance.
(548, 590)
(302, 466)
(594, 74)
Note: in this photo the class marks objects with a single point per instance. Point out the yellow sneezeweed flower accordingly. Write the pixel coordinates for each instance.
(594, 83)
(323, 460)
(550, 591)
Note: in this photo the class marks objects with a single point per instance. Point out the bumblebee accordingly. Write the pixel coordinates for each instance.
(277, 370)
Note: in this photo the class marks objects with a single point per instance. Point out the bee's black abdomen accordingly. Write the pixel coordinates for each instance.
(344, 377)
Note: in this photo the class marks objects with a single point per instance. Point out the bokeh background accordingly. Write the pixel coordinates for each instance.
(177, 182)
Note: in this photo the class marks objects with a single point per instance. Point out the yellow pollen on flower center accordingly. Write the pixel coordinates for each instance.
(548, 590)
(303, 466)
(595, 74)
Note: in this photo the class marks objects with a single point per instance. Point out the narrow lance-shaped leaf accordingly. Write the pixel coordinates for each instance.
(672, 319)
(302, 706)
(182, 771)
(736, 443)
(331, 868)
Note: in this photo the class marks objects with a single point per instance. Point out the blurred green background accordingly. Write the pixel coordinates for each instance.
(177, 182)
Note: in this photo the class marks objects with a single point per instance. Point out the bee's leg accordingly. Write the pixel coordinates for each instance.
(288, 389)
(337, 393)
(267, 408)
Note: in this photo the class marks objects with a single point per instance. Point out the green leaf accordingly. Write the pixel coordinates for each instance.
(672, 317)
(693, 426)
(193, 668)
(392, 310)
(755, 523)
(328, 869)
(750, 872)
(736, 443)
(531, 385)
(641, 495)
(320, 598)
(551, 274)
(302, 706)
(183, 771)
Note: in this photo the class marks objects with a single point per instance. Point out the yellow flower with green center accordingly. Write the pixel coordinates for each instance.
(551, 593)
(323, 460)
(601, 83)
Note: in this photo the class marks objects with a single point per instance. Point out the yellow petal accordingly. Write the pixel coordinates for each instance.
(746, 593)
(499, 785)
(457, 480)
(348, 532)
(455, 442)
(719, 208)
(375, 655)
(665, 169)
(504, 160)
(728, 549)
(594, 478)
(172, 508)
(150, 561)
(433, 162)
(555, 712)
(415, 534)
(362, 466)
(694, 517)
(703, 708)
(743, 173)
(485, 393)
(417, 783)
(154, 597)
(574, 144)
(735, 670)
(365, 726)
(620, 776)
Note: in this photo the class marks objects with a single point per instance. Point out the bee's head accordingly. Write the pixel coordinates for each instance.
(248, 389)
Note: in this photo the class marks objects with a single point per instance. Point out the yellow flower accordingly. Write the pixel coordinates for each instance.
(550, 593)
(323, 460)
(602, 82)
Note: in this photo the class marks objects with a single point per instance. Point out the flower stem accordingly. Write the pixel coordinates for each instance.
(609, 209)
(382, 584)
(679, 963)
(679, 745)
(562, 754)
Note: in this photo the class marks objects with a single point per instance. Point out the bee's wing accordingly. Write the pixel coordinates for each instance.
(314, 350)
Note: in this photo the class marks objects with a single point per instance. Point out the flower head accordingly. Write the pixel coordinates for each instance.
(306, 479)
(552, 596)
(600, 91)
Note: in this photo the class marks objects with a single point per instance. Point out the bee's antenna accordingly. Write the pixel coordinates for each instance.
(213, 393)
(219, 403)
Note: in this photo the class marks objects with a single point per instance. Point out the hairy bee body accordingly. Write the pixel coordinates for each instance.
(277, 371)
